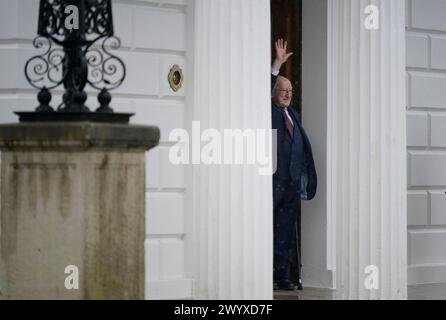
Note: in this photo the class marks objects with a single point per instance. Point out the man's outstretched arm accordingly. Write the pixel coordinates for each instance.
(280, 58)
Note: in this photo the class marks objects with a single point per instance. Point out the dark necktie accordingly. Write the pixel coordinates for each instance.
(288, 123)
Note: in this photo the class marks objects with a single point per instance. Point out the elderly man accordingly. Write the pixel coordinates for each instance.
(295, 177)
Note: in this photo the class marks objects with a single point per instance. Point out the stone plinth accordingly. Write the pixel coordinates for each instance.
(73, 194)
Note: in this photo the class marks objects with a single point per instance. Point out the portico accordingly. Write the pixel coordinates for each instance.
(354, 111)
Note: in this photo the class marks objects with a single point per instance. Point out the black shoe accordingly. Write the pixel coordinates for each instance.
(299, 285)
(285, 285)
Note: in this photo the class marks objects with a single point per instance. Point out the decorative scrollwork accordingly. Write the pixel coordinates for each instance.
(45, 70)
(107, 70)
(52, 19)
(99, 17)
(78, 59)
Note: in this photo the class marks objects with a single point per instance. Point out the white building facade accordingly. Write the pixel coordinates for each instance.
(209, 228)
(426, 121)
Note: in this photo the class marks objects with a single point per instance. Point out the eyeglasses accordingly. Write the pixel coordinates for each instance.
(290, 91)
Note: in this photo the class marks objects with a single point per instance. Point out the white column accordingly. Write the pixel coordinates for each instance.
(368, 142)
(231, 204)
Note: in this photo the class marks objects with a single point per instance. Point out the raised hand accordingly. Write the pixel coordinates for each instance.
(281, 54)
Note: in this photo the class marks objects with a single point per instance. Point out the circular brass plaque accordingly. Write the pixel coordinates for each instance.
(176, 78)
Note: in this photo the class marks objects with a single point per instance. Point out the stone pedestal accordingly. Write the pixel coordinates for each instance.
(72, 210)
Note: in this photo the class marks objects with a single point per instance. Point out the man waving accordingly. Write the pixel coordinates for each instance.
(295, 177)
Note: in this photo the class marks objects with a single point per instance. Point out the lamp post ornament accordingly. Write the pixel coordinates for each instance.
(76, 37)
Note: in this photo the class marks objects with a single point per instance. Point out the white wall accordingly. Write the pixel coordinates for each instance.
(153, 34)
(426, 135)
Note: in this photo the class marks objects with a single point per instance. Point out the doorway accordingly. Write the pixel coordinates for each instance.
(286, 23)
(304, 24)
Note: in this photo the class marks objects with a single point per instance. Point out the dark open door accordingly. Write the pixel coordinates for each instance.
(286, 22)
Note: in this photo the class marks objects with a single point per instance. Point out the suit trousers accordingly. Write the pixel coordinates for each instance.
(286, 199)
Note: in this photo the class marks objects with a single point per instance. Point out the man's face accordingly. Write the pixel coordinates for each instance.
(283, 92)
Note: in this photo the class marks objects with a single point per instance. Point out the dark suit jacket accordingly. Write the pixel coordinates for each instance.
(294, 156)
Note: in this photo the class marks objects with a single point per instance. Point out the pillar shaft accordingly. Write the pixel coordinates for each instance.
(367, 113)
(232, 204)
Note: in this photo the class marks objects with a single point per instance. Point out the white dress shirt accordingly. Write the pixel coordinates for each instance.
(276, 73)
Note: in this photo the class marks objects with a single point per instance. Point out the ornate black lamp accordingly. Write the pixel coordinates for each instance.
(82, 34)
